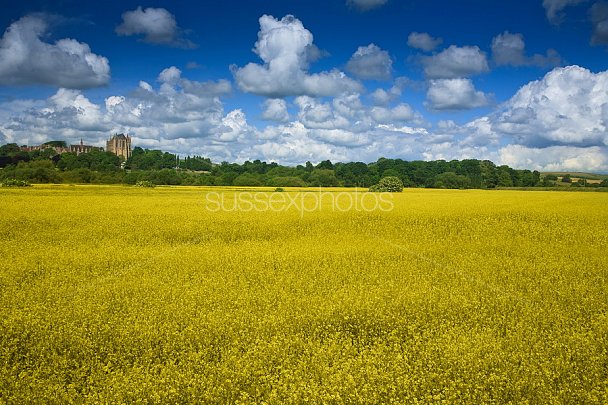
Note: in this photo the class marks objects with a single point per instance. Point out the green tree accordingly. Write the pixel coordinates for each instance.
(323, 178)
(504, 177)
(247, 179)
(289, 181)
(390, 184)
(326, 164)
(452, 180)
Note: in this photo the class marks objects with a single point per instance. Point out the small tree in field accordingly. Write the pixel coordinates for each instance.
(390, 184)
(145, 183)
(15, 183)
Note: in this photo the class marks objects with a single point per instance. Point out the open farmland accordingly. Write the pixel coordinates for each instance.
(118, 294)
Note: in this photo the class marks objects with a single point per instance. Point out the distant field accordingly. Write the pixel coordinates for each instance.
(579, 175)
(117, 294)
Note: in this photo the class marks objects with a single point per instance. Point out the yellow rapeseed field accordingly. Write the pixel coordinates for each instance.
(115, 294)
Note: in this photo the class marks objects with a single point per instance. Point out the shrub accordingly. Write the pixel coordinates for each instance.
(144, 183)
(15, 183)
(279, 190)
(390, 184)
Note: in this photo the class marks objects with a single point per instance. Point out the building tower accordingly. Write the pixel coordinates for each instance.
(120, 145)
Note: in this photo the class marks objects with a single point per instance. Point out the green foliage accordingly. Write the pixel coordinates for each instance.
(196, 163)
(289, 181)
(11, 154)
(505, 177)
(78, 176)
(15, 183)
(452, 180)
(279, 190)
(325, 165)
(145, 165)
(145, 183)
(388, 184)
(164, 176)
(36, 171)
(144, 159)
(247, 179)
(95, 160)
(323, 178)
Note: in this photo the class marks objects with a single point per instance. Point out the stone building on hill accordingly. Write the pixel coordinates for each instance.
(82, 148)
(120, 145)
(61, 147)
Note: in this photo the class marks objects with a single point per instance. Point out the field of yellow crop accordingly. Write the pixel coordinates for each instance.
(123, 294)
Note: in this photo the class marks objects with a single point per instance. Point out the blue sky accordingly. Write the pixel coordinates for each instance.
(522, 83)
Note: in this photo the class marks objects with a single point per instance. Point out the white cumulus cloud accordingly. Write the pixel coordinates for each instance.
(555, 158)
(178, 115)
(423, 41)
(156, 25)
(456, 62)
(284, 46)
(454, 94)
(26, 60)
(370, 62)
(510, 49)
(275, 109)
(400, 113)
(569, 106)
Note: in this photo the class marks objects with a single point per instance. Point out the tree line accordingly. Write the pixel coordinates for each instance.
(163, 168)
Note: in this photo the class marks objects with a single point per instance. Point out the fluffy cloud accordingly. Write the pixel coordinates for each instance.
(423, 41)
(26, 60)
(349, 113)
(455, 62)
(454, 94)
(292, 144)
(599, 18)
(275, 110)
(509, 49)
(553, 8)
(569, 106)
(383, 97)
(398, 114)
(557, 123)
(180, 114)
(284, 46)
(157, 25)
(365, 5)
(370, 62)
(67, 114)
(234, 126)
(85, 115)
(172, 76)
(555, 158)
(317, 115)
